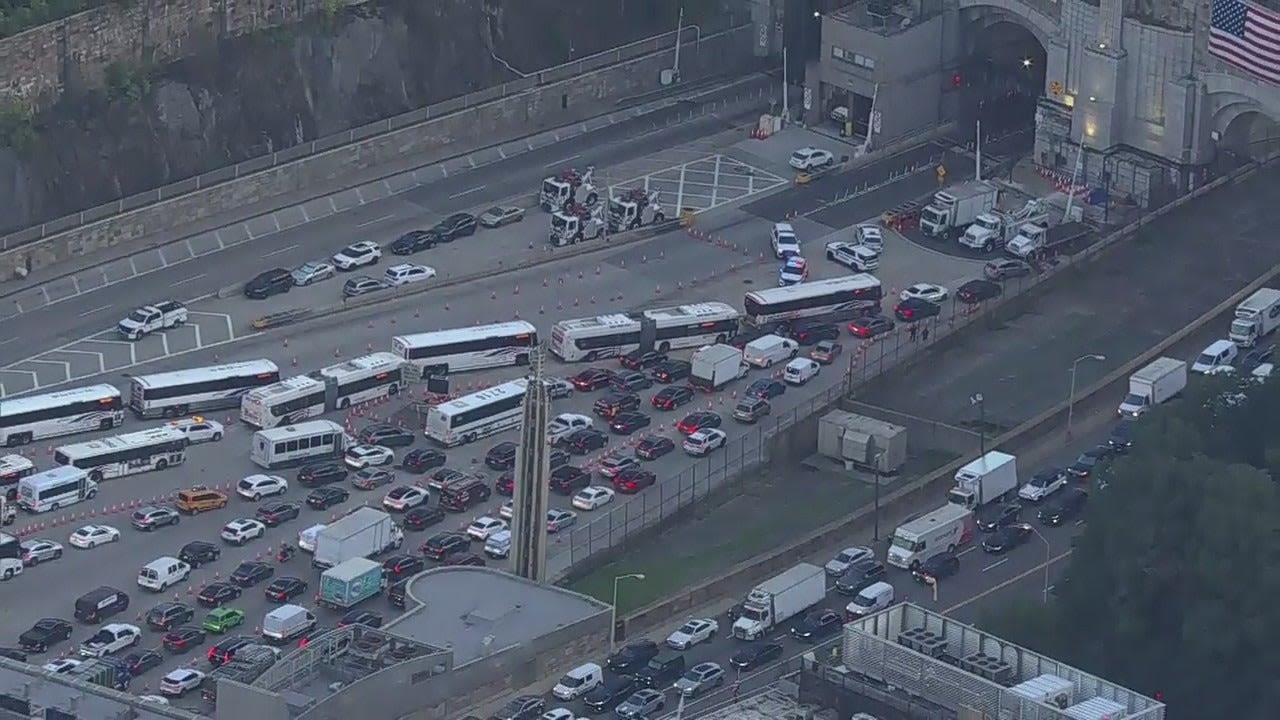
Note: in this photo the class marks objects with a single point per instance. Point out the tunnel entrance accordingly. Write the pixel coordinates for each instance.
(1001, 75)
(1253, 135)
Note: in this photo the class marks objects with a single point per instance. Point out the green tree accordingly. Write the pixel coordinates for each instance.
(1174, 581)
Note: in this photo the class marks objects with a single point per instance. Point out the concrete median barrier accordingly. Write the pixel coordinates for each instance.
(935, 484)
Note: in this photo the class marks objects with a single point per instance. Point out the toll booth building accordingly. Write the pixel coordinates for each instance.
(881, 68)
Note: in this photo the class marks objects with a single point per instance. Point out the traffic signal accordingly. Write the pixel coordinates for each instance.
(957, 80)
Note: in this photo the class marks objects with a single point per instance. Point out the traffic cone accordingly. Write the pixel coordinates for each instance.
(657, 289)
(575, 302)
(597, 269)
(623, 263)
(579, 274)
(559, 305)
(446, 306)
(417, 314)
(544, 282)
(216, 359)
(493, 295)
(542, 310)
(369, 325)
(190, 591)
(644, 259)
(294, 361)
(662, 254)
(337, 352)
(593, 299)
(286, 342)
(516, 290)
(368, 347)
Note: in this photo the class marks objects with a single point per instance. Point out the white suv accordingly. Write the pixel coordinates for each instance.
(358, 254)
(704, 441)
(784, 241)
(809, 158)
(256, 487)
(407, 273)
(242, 530)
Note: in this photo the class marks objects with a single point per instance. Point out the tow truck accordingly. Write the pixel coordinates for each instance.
(635, 208)
(147, 319)
(569, 188)
(995, 229)
(575, 224)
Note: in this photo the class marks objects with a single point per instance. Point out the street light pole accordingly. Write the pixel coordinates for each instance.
(873, 454)
(1071, 396)
(981, 403)
(613, 609)
(1048, 557)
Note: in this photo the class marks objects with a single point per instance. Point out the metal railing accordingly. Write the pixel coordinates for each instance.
(549, 76)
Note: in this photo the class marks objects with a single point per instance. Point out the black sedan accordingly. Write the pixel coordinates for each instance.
(671, 371)
(284, 589)
(670, 398)
(1088, 461)
(869, 327)
(586, 440)
(276, 512)
(817, 625)
(592, 379)
(633, 656)
(440, 546)
(766, 388)
(422, 517)
(215, 594)
(252, 572)
(1068, 506)
(386, 435)
(501, 456)
(1006, 538)
(995, 516)
(915, 309)
(652, 447)
(642, 359)
(46, 633)
(626, 423)
(753, 656)
(695, 421)
(976, 291)
(414, 241)
(936, 568)
(141, 662)
(183, 638)
(422, 460)
(455, 226)
(631, 382)
(323, 498)
(321, 473)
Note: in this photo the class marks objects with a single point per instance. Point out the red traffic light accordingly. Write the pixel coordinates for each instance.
(957, 79)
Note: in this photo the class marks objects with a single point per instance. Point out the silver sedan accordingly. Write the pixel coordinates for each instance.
(38, 550)
(312, 272)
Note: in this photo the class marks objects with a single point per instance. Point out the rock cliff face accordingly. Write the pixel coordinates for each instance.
(272, 90)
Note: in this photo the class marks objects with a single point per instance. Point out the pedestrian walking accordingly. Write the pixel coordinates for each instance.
(736, 687)
(911, 332)
(924, 334)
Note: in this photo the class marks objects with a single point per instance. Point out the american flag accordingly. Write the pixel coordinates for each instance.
(1246, 36)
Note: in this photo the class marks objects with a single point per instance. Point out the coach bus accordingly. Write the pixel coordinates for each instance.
(588, 339)
(472, 348)
(477, 415)
(66, 412)
(129, 454)
(842, 298)
(183, 392)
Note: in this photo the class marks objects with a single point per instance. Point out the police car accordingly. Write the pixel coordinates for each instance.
(198, 429)
(794, 270)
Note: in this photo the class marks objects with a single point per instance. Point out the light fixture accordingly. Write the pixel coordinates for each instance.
(1026, 62)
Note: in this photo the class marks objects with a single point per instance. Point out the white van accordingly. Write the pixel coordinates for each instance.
(1219, 354)
(307, 538)
(579, 681)
(800, 371)
(163, 572)
(765, 351)
(287, 622)
(872, 599)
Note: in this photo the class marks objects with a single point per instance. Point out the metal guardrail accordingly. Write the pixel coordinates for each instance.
(548, 76)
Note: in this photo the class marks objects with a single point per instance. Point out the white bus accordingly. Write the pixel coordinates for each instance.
(289, 401)
(129, 454)
(842, 298)
(55, 489)
(614, 335)
(474, 348)
(66, 412)
(12, 469)
(183, 392)
(476, 415)
(297, 444)
(358, 380)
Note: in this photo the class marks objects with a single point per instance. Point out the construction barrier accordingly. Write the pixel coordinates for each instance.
(1062, 182)
(905, 216)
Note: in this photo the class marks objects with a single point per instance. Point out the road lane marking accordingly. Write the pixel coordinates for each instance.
(87, 313)
(562, 161)
(281, 251)
(464, 193)
(184, 281)
(1000, 586)
(8, 340)
(375, 221)
(995, 564)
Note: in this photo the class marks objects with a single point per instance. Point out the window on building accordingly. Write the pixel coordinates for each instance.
(853, 58)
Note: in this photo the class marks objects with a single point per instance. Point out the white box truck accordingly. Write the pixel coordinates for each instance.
(933, 533)
(779, 599)
(956, 208)
(365, 532)
(988, 479)
(715, 366)
(765, 351)
(1256, 317)
(1163, 379)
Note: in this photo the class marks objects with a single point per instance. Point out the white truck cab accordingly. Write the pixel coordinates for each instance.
(566, 424)
(150, 318)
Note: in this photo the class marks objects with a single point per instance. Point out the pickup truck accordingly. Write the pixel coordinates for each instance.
(150, 318)
(110, 639)
(564, 425)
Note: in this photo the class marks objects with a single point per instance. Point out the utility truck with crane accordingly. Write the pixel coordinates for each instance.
(635, 208)
(954, 209)
(575, 224)
(569, 188)
(1035, 240)
(995, 229)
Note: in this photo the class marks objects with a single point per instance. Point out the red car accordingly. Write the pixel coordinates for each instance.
(633, 480)
(695, 421)
(652, 447)
(869, 327)
(181, 639)
(505, 485)
(592, 379)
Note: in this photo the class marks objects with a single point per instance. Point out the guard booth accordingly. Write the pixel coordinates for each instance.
(648, 333)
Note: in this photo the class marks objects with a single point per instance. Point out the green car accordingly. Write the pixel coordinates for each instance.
(222, 619)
